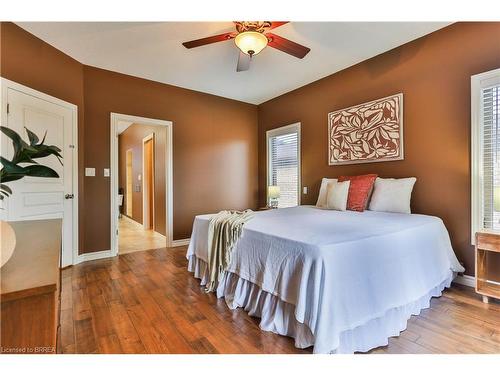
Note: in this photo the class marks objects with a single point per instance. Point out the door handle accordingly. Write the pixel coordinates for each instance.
(69, 196)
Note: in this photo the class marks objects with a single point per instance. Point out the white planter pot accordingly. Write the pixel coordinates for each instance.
(7, 242)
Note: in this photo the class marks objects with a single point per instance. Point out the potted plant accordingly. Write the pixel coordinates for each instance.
(21, 165)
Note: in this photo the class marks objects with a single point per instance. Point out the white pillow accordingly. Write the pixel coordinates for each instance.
(392, 194)
(336, 195)
(322, 191)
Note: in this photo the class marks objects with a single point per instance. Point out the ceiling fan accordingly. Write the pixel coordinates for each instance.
(251, 37)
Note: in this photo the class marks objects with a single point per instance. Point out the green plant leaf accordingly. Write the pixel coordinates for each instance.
(10, 167)
(32, 136)
(17, 142)
(24, 157)
(11, 177)
(26, 153)
(42, 151)
(43, 139)
(5, 188)
(39, 171)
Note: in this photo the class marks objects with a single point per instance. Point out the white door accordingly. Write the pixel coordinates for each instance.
(37, 198)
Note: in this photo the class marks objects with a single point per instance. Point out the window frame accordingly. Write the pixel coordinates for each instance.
(478, 82)
(282, 130)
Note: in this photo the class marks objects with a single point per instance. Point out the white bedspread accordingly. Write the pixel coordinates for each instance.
(340, 270)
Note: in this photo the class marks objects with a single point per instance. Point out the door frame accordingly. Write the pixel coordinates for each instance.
(150, 137)
(115, 118)
(128, 193)
(5, 85)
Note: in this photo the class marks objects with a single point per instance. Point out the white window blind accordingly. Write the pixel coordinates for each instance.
(284, 163)
(490, 104)
(485, 152)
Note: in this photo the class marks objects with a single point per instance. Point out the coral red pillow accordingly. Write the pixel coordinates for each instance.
(360, 189)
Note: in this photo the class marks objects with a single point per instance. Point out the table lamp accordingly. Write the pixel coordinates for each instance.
(273, 193)
(496, 198)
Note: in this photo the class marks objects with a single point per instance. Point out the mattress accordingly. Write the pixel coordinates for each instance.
(340, 281)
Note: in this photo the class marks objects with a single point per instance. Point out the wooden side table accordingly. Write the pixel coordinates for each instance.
(486, 242)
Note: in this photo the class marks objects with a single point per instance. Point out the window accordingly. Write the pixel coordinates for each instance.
(283, 163)
(485, 146)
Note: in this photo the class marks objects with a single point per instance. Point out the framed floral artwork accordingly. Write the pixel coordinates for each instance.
(367, 133)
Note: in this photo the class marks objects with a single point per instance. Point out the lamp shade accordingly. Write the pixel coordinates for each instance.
(251, 42)
(496, 198)
(273, 192)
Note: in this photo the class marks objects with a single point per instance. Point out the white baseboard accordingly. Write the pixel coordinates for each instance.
(93, 256)
(470, 281)
(183, 242)
(465, 280)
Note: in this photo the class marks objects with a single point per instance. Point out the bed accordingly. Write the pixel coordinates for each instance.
(341, 281)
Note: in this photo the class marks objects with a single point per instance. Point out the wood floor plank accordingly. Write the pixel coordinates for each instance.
(67, 333)
(150, 338)
(110, 344)
(203, 346)
(147, 302)
(85, 341)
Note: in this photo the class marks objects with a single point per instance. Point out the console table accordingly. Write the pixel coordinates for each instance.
(30, 289)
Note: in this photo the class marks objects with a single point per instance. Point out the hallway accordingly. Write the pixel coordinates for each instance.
(133, 237)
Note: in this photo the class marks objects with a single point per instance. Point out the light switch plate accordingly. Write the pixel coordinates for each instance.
(89, 172)
(106, 172)
(304, 190)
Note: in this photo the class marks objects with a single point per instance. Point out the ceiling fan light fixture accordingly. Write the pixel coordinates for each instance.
(251, 42)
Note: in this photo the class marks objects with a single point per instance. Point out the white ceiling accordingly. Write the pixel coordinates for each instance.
(153, 50)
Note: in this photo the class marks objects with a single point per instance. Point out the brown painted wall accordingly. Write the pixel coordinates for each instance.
(214, 148)
(215, 139)
(131, 139)
(434, 74)
(30, 61)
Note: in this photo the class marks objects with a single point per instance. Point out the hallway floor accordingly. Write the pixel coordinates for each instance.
(133, 237)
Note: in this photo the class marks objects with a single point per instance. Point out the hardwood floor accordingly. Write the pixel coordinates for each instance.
(147, 302)
(133, 237)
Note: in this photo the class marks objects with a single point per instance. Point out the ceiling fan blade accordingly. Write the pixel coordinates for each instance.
(243, 62)
(209, 40)
(275, 24)
(287, 46)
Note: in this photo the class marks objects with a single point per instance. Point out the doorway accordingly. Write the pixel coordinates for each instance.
(141, 170)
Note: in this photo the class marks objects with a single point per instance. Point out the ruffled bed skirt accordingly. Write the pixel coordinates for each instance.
(279, 317)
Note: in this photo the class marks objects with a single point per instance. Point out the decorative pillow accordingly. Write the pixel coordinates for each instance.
(359, 191)
(322, 191)
(336, 195)
(392, 195)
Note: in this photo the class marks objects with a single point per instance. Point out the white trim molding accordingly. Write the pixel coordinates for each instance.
(115, 119)
(183, 242)
(6, 84)
(465, 280)
(478, 82)
(295, 127)
(93, 256)
(469, 280)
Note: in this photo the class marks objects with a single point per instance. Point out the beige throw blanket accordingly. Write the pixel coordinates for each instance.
(223, 231)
